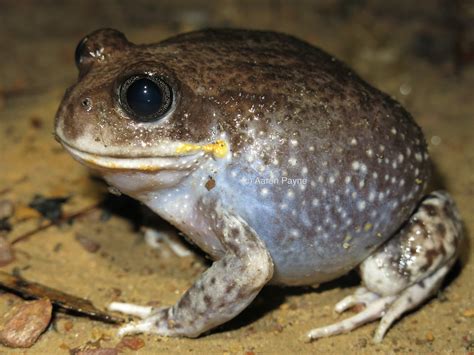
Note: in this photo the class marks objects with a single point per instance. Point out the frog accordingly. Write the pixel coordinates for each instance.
(275, 159)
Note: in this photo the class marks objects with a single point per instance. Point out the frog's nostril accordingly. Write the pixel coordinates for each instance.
(86, 104)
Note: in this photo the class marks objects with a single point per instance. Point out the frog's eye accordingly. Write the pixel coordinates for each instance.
(145, 98)
(80, 52)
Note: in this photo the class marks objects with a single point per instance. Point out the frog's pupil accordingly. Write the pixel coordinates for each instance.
(144, 97)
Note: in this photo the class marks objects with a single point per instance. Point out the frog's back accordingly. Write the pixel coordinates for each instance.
(324, 167)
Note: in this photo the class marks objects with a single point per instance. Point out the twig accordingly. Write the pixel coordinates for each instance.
(52, 223)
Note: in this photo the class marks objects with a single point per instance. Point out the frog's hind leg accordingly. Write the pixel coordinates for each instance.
(406, 270)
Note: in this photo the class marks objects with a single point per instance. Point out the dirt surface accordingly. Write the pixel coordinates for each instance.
(419, 52)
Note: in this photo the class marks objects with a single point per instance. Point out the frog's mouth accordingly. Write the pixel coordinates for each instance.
(179, 156)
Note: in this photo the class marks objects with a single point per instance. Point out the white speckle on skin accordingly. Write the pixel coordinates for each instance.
(294, 232)
(321, 179)
(353, 141)
(311, 148)
(315, 202)
(393, 130)
(290, 194)
(264, 191)
(418, 157)
(292, 161)
(361, 184)
(293, 142)
(370, 153)
(400, 158)
(372, 196)
(354, 195)
(347, 179)
(304, 171)
(355, 165)
(375, 175)
(361, 205)
(332, 179)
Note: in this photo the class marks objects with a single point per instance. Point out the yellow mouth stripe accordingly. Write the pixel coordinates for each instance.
(219, 148)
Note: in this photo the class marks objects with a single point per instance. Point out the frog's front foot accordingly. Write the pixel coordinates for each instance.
(154, 320)
(405, 271)
(221, 293)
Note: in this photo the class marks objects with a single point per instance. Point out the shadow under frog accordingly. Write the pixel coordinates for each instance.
(315, 172)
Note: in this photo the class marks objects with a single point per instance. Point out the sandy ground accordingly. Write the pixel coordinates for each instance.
(406, 49)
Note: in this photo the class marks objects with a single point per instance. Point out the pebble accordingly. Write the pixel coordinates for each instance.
(22, 325)
(87, 243)
(469, 313)
(131, 342)
(429, 336)
(7, 209)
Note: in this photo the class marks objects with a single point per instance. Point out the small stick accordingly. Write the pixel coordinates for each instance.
(52, 223)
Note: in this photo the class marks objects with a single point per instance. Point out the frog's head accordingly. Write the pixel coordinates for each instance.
(134, 111)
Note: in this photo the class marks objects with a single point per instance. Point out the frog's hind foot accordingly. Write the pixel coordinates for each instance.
(406, 270)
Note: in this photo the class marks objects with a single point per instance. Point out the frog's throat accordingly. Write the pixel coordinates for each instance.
(183, 156)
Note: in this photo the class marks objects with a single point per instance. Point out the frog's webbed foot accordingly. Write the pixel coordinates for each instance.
(405, 271)
(221, 293)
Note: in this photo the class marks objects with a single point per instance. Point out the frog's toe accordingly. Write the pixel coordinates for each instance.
(361, 296)
(157, 323)
(130, 309)
(155, 239)
(374, 310)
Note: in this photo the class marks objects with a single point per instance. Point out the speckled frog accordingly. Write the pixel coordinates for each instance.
(271, 156)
